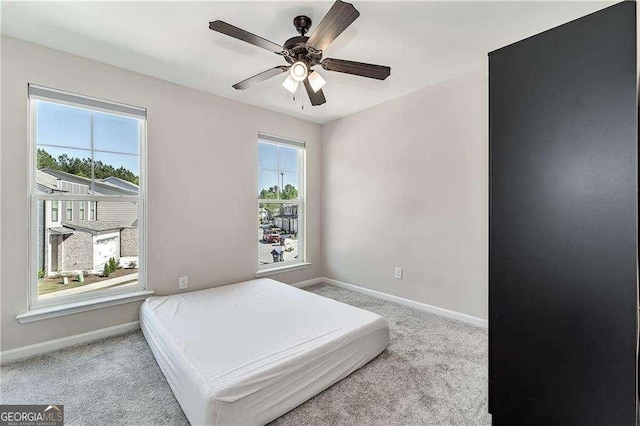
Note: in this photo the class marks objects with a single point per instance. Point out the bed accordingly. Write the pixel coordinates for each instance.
(246, 353)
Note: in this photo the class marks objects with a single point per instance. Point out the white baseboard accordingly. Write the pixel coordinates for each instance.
(307, 283)
(479, 322)
(56, 344)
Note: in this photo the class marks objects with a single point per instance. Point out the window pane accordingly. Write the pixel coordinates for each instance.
(60, 162)
(267, 156)
(63, 125)
(72, 256)
(268, 184)
(290, 182)
(115, 133)
(54, 211)
(69, 211)
(69, 169)
(277, 233)
(288, 158)
(116, 174)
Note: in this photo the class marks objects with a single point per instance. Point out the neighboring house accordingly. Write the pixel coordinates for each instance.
(83, 235)
(263, 214)
(287, 219)
(122, 183)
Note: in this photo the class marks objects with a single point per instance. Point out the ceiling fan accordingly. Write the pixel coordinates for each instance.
(303, 53)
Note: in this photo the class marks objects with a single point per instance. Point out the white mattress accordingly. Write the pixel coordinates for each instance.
(244, 354)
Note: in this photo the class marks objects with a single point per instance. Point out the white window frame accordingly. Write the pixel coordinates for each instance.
(65, 305)
(300, 202)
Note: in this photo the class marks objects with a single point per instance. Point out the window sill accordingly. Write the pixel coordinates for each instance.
(281, 269)
(39, 314)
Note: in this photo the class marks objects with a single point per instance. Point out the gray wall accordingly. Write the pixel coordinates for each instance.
(196, 140)
(405, 184)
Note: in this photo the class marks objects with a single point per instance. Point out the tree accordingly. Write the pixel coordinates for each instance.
(270, 194)
(290, 192)
(46, 160)
(82, 167)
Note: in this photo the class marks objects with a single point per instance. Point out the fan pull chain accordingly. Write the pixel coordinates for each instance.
(301, 99)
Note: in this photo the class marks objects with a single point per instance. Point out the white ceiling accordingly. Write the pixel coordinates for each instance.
(423, 42)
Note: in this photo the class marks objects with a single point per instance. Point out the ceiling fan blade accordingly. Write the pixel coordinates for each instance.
(317, 98)
(361, 69)
(337, 19)
(240, 34)
(259, 78)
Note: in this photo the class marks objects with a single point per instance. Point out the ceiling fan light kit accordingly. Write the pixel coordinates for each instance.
(290, 84)
(303, 53)
(299, 71)
(316, 81)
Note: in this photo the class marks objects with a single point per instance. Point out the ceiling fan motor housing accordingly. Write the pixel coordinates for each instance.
(297, 46)
(302, 24)
(300, 51)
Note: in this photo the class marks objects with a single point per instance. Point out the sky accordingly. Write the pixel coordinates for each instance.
(274, 160)
(70, 128)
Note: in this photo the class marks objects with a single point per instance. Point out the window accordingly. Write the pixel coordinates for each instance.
(54, 211)
(85, 152)
(280, 202)
(69, 211)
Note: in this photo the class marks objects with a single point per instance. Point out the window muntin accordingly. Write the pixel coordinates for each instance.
(85, 156)
(280, 203)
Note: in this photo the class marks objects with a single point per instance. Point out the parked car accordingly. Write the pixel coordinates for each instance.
(271, 237)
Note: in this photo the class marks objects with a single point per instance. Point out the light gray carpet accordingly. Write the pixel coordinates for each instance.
(434, 372)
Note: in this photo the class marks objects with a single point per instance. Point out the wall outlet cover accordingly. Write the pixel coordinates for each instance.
(398, 273)
(183, 282)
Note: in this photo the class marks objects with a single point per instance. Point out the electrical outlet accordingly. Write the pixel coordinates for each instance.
(183, 282)
(398, 273)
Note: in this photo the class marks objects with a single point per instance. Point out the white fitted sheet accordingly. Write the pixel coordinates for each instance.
(244, 354)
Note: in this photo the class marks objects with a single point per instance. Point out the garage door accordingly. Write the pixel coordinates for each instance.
(105, 248)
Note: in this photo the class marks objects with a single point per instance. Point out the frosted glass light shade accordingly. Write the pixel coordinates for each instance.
(316, 81)
(290, 84)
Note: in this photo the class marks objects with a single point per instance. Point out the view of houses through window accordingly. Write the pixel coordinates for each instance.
(280, 203)
(86, 199)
